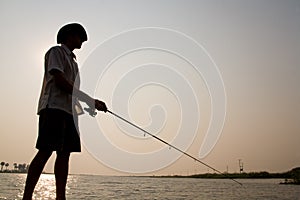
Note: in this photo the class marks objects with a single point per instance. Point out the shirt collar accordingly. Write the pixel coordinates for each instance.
(70, 53)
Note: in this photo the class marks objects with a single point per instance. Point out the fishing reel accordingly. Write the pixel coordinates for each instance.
(91, 111)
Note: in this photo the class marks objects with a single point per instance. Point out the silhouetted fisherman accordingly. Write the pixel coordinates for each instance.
(58, 116)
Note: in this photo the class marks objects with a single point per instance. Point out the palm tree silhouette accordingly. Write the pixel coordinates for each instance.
(6, 165)
(15, 166)
(2, 164)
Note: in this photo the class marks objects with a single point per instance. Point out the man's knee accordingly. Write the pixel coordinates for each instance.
(63, 154)
(42, 154)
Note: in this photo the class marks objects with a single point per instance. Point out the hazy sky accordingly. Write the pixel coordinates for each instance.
(255, 45)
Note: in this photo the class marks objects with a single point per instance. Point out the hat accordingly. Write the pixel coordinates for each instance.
(71, 29)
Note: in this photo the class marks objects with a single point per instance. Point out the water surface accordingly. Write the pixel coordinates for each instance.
(129, 188)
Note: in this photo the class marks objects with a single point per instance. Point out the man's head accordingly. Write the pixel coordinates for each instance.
(72, 33)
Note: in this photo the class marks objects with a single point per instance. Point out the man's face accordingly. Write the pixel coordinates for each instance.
(77, 42)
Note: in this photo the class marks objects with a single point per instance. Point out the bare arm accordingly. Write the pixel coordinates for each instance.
(68, 87)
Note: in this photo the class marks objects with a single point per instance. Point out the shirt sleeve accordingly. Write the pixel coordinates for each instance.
(55, 60)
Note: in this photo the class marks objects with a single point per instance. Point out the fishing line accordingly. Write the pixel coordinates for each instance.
(93, 113)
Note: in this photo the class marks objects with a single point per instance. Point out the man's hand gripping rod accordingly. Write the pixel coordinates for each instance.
(93, 113)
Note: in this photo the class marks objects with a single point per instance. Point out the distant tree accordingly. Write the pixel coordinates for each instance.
(296, 175)
(6, 165)
(22, 167)
(16, 166)
(2, 164)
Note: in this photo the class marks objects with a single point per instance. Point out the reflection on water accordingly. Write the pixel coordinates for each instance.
(45, 189)
(12, 186)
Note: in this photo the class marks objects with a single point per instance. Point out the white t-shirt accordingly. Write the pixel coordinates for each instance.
(62, 59)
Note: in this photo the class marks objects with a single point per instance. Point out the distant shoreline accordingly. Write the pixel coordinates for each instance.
(250, 175)
(12, 172)
(289, 177)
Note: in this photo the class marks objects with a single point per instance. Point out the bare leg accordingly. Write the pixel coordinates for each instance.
(61, 170)
(35, 169)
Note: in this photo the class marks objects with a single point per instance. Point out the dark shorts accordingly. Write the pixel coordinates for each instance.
(57, 132)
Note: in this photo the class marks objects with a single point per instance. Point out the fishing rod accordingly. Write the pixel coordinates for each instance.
(93, 113)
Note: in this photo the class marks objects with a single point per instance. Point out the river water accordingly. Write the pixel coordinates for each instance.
(130, 188)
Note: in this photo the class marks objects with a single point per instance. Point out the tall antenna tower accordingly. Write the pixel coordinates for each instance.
(241, 166)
